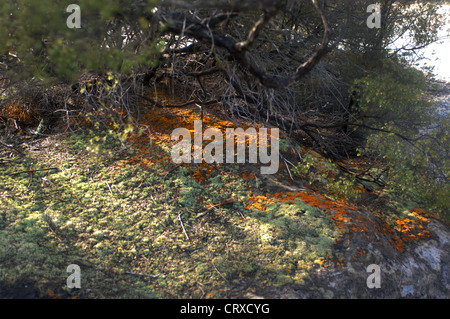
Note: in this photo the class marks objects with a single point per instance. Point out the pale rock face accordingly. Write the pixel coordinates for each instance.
(420, 271)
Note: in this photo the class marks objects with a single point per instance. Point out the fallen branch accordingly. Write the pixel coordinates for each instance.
(33, 170)
(176, 105)
(109, 187)
(219, 272)
(182, 226)
(361, 176)
(228, 202)
(12, 147)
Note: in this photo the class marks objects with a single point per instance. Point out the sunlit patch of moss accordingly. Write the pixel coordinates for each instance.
(307, 232)
(124, 222)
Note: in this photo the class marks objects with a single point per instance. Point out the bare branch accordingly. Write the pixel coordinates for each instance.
(254, 32)
(240, 49)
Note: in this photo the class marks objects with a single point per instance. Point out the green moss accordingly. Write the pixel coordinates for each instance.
(135, 228)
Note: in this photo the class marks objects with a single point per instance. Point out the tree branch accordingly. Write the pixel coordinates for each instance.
(239, 50)
(254, 32)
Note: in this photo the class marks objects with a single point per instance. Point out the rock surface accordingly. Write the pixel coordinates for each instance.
(419, 270)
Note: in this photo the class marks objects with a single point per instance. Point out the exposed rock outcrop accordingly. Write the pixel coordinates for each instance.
(409, 267)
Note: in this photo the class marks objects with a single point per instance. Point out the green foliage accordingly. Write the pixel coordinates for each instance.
(395, 101)
(38, 34)
(418, 172)
(393, 97)
(423, 27)
(322, 171)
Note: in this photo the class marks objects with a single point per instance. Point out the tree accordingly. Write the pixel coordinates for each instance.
(296, 65)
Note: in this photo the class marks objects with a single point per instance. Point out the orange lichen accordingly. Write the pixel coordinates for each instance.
(258, 202)
(25, 111)
(413, 228)
(348, 221)
(203, 172)
(154, 130)
(156, 127)
(247, 175)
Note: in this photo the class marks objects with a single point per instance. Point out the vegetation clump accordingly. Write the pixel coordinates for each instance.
(86, 116)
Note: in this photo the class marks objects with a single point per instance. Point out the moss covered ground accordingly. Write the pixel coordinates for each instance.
(140, 226)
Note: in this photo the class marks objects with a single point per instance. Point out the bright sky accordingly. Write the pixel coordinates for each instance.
(438, 54)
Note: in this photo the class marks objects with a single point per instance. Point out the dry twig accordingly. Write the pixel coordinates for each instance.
(182, 226)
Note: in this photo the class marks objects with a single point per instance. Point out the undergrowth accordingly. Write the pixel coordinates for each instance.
(140, 226)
